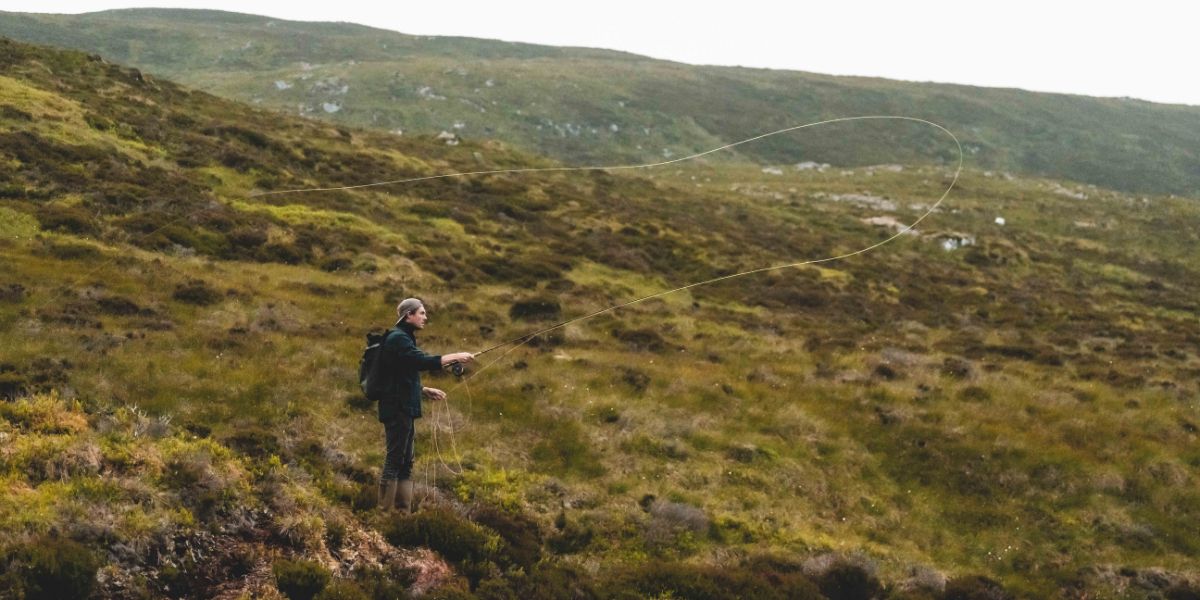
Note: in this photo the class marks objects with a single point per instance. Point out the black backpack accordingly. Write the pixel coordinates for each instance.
(371, 375)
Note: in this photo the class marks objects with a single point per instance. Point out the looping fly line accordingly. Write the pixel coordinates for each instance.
(522, 340)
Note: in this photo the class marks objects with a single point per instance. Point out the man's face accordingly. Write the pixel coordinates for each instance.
(418, 318)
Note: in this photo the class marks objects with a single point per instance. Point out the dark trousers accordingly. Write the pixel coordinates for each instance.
(399, 461)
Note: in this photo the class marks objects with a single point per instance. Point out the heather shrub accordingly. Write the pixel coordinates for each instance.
(536, 308)
(456, 539)
(49, 568)
(196, 292)
(521, 535)
(975, 587)
(67, 219)
(677, 580)
(342, 589)
(564, 450)
(300, 579)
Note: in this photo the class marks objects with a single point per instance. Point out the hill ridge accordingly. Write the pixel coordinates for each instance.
(584, 105)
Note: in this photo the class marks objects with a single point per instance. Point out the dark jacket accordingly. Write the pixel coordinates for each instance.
(404, 361)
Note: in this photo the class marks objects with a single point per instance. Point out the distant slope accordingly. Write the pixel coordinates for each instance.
(603, 107)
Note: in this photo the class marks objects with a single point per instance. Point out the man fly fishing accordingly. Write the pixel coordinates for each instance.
(400, 399)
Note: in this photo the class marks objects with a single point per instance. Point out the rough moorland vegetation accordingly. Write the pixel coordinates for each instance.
(1002, 404)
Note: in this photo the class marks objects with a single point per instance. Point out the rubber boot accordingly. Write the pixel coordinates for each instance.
(387, 494)
(404, 500)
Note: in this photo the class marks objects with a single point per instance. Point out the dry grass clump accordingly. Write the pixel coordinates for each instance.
(45, 414)
(671, 521)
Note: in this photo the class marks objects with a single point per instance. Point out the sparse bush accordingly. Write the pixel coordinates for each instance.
(196, 292)
(552, 581)
(44, 413)
(887, 372)
(8, 111)
(671, 520)
(845, 579)
(253, 441)
(995, 253)
(1183, 591)
(242, 559)
(300, 579)
(956, 367)
(784, 576)
(564, 450)
(606, 414)
(572, 536)
(238, 161)
(746, 453)
(9, 190)
(12, 383)
(49, 568)
(12, 292)
(341, 589)
(120, 306)
(383, 585)
(71, 250)
(549, 339)
(729, 530)
(450, 593)
(206, 481)
(496, 588)
(336, 263)
(923, 583)
(779, 293)
(636, 379)
(247, 237)
(538, 308)
(522, 271)
(559, 285)
(67, 219)
(657, 447)
(46, 458)
(522, 538)
(677, 580)
(335, 534)
(643, 340)
(974, 393)
(444, 532)
(281, 252)
(976, 587)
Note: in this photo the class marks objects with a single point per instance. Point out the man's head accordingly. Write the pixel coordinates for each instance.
(412, 311)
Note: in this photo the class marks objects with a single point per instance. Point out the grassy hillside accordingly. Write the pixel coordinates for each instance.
(589, 107)
(980, 410)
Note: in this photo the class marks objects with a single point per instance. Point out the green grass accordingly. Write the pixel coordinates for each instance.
(989, 410)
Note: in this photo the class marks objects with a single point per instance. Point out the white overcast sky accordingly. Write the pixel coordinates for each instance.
(1148, 49)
